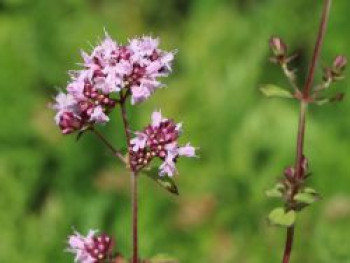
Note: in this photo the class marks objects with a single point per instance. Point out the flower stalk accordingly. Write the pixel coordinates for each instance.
(299, 174)
(134, 185)
(292, 188)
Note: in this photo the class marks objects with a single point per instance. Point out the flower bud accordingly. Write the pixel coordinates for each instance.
(279, 48)
(289, 173)
(69, 123)
(339, 64)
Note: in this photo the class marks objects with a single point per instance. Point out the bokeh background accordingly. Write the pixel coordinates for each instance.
(49, 183)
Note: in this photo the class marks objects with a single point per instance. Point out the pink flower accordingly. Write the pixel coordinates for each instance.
(188, 151)
(159, 139)
(64, 102)
(90, 249)
(167, 167)
(139, 142)
(78, 245)
(139, 94)
(98, 115)
(157, 119)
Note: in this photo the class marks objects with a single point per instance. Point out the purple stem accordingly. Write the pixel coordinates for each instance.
(318, 46)
(302, 119)
(289, 244)
(134, 188)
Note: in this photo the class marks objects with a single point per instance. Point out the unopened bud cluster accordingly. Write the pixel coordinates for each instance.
(335, 72)
(90, 249)
(159, 139)
(290, 172)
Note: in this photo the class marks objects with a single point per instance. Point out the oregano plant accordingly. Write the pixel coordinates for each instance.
(293, 188)
(111, 75)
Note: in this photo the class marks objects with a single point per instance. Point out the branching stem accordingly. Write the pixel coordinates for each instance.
(302, 118)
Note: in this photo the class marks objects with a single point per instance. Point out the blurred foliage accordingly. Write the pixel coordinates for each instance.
(50, 183)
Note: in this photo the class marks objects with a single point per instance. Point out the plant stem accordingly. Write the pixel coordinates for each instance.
(134, 198)
(300, 140)
(289, 244)
(302, 119)
(318, 46)
(114, 151)
(134, 188)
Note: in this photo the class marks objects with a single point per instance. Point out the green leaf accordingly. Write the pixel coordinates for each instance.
(163, 258)
(277, 191)
(82, 132)
(337, 98)
(273, 193)
(310, 190)
(270, 90)
(306, 198)
(280, 217)
(79, 135)
(165, 181)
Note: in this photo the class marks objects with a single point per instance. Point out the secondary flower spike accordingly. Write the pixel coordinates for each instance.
(90, 249)
(111, 69)
(159, 139)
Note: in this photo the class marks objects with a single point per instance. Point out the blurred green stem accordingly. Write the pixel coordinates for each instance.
(302, 119)
(134, 188)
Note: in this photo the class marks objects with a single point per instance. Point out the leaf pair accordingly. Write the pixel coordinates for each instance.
(283, 217)
(274, 91)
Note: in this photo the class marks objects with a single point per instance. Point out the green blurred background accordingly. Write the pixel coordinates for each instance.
(49, 183)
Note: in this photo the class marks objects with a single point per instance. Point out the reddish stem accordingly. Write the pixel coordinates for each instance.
(300, 140)
(134, 188)
(134, 197)
(289, 244)
(318, 46)
(302, 119)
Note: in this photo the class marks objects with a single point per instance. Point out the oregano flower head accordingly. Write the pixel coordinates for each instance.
(159, 139)
(133, 69)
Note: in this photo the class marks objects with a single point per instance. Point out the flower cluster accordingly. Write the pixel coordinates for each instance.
(111, 69)
(159, 139)
(90, 249)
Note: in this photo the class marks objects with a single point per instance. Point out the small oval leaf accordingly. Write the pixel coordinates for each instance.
(280, 217)
(310, 190)
(306, 198)
(277, 191)
(165, 181)
(273, 91)
(273, 193)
